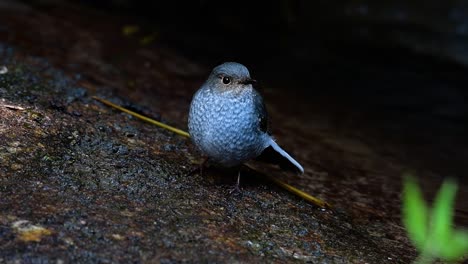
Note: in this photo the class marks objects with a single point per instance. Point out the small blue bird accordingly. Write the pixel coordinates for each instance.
(228, 121)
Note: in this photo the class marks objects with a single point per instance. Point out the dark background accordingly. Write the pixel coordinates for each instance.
(391, 52)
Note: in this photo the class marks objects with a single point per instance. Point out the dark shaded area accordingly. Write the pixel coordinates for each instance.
(358, 92)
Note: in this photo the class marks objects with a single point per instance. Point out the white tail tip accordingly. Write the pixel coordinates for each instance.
(283, 153)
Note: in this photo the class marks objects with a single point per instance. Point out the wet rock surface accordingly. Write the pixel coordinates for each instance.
(80, 182)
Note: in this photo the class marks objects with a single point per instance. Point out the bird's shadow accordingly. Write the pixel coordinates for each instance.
(216, 175)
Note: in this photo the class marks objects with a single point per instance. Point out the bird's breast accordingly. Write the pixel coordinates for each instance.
(225, 127)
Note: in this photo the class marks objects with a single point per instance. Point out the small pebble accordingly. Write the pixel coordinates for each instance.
(3, 69)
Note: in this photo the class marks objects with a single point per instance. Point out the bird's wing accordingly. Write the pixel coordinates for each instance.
(273, 153)
(260, 109)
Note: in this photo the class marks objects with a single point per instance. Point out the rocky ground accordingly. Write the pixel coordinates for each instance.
(80, 182)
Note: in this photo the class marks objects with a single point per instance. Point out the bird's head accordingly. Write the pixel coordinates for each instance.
(230, 76)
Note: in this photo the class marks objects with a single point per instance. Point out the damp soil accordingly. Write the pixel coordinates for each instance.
(80, 182)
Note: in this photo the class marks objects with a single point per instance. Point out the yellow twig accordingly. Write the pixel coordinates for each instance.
(282, 184)
(144, 118)
(13, 107)
(300, 193)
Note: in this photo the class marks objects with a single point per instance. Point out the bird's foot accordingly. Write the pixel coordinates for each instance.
(236, 188)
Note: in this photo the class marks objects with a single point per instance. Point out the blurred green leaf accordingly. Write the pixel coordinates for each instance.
(415, 215)
(456, 248)
(434, 237)
(442, 214)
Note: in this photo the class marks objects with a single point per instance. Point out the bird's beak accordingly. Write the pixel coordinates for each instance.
(248, 81)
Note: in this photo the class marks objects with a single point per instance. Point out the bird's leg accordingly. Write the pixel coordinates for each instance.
(236, 187)
(200, 167)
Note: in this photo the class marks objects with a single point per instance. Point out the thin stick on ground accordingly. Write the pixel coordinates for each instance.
(13, 107)
(280, 183)
(142, 117)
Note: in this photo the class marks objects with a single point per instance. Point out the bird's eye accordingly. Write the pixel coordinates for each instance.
(226, 80)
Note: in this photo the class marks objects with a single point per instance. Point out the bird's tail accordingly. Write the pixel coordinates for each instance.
(275, 154)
